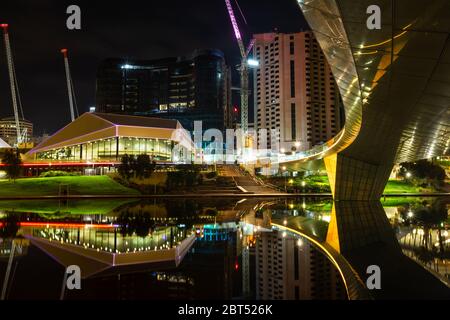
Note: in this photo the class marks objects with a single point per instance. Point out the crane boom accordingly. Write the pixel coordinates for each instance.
(236, 28)
(69, 84)
(12, 81)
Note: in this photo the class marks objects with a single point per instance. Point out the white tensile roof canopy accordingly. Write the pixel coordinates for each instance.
(3, 144)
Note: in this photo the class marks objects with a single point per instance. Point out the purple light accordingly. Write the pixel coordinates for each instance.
(233, 20)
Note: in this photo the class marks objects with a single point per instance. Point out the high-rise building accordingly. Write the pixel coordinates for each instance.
(287, 269)
(8, 131)
(295, 91)
(184, 88)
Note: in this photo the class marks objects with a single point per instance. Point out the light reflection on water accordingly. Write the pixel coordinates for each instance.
(236, 252)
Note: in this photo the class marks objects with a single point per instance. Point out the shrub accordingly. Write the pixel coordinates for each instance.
(57, 173)
(211, 175)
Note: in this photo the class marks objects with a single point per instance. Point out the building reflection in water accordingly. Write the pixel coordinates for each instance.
(235, 252)
(290, 268)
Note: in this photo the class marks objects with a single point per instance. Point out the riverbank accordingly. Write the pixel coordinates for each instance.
(320, 184)
(60, 208)
(91, 187)
(212, 195)
(66, 185)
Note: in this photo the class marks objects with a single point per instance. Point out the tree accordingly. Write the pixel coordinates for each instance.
(10, 226)
(423, 169)
(12, 162)
(139, 167)
(125, 167)
(143, 166)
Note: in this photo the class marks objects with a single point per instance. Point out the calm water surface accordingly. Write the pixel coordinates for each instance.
(204, 249)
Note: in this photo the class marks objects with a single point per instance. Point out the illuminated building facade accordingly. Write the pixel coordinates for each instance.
(99, 137)
(295, 91)
(184, 88)
(8, 131)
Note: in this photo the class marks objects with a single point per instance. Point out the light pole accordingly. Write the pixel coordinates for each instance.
(297, 146)
(283, 168)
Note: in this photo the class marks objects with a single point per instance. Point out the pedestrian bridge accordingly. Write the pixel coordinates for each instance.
(395, 86)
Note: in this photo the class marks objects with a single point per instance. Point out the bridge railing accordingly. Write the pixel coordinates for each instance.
(318, 151)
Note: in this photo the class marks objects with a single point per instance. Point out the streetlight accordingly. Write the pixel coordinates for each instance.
(285, 178)
(303, 186)
(408, 175)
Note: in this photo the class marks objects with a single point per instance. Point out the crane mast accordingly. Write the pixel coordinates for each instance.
(70, 90)
(12, 81)
(243, 68)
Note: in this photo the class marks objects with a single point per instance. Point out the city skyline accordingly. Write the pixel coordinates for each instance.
(41, 75)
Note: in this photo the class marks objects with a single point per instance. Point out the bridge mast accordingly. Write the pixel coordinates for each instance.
(70, 89)
(13, 82)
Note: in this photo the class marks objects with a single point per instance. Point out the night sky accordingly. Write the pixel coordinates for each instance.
(130, 29)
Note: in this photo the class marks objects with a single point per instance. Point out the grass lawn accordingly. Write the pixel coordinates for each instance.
(393, 186)
(78, 185)
(58, 209)
(401, 201)
(321, 181)
(398, 186)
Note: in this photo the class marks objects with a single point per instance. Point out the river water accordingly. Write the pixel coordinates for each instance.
(217, 248)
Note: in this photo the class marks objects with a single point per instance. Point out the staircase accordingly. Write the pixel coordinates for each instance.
(223, 185)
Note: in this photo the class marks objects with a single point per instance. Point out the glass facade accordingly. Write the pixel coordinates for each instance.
(111, 149)
(186, 88)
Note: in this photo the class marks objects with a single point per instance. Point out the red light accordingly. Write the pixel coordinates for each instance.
(49, 164)
(236, 266)
(236, 109)
(4, 25)
(64, 51)
(63, 225)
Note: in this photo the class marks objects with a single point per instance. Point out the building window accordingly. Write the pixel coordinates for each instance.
(292, 79)
(293, 122)
(291, 48)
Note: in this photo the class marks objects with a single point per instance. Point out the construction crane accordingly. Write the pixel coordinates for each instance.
(21, 136)
(243, 68)
(70, 90)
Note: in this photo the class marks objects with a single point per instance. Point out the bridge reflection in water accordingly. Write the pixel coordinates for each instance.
(263, 249)
(362, 233)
